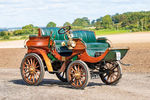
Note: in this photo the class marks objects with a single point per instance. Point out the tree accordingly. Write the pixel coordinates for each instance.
(107, 21)
(97, 25)
(51, 24)
(3, 33)
(30, 26)
(80, 22)
(92, 22)
(67, 24)
(86, 19)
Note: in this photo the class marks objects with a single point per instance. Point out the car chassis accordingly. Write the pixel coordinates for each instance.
(71, 56)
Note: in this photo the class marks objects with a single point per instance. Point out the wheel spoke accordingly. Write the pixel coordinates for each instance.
(35, 63)
(72, 69)
(25, 68)
(77, 82)
(63, 74)
(26, 64)
(114, 75)
(37, 70)
(113, 68)
(37, 67)
(83, 75)
(36, 76)
(30, 77)
(106, 75)
(31, 60)
(26, 72)
(28, 61)
(78, 68)
(33, 78)
(80, 81)
(111, 78)
(75, 67)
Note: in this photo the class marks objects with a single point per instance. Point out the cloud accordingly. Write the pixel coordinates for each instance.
(39, 12)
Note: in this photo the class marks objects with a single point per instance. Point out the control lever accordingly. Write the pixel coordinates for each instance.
(52, 48)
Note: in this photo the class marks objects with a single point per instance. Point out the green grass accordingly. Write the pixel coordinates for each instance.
(97, 32)
(22, 37)
(110, 32)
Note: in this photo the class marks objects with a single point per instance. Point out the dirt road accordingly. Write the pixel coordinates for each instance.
(133, 86)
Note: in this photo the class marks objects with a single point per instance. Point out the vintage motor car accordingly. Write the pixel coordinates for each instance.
(74, 56)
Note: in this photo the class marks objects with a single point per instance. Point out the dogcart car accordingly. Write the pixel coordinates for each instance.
(74, 56)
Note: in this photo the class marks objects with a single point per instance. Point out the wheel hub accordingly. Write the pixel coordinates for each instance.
(31, 70)
(77, 75)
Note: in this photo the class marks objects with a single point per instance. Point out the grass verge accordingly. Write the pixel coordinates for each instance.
(110, 32)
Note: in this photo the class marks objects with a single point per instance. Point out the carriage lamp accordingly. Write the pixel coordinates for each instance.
(63, 43)
(73, 43)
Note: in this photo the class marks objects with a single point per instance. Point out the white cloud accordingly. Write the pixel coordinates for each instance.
(121, 0)
(40, 12)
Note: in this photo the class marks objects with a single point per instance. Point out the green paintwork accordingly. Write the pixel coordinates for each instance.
(111, 56)
(90, 41)
(51, 57)
(102, 39)
(74, 58)
(93, 45)
(32, 35)
(88, 37)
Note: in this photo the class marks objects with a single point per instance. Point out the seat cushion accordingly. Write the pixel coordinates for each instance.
(92, 48)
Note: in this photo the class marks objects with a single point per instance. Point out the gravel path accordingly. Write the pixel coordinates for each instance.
(133, 86)
(139, 37)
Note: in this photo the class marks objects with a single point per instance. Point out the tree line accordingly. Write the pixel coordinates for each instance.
(134, 21)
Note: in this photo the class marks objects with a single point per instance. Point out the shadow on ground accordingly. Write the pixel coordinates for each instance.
(53, 82)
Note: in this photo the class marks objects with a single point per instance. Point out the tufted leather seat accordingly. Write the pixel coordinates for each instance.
(87, 36)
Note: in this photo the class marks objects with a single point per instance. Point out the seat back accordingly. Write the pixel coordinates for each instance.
(86, 36)
(46, 32)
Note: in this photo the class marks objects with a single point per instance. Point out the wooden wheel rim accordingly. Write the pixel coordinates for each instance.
(77, 75)
(31, 69)
(113, 73)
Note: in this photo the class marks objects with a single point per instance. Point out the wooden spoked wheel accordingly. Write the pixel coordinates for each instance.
(62, 76)
(32, 69)
(112, 73)
(78, 74)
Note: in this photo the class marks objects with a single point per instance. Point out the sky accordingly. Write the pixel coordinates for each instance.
(18, 13)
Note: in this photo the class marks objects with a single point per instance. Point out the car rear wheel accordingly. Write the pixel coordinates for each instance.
(112, 73)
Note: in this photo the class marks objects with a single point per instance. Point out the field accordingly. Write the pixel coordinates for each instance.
(21, 37)
(110, 32)
(97, 32)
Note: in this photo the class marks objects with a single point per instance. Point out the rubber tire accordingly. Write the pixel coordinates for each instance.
(61, 78)
(86, 69)
(116, 81)
(41, 68)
